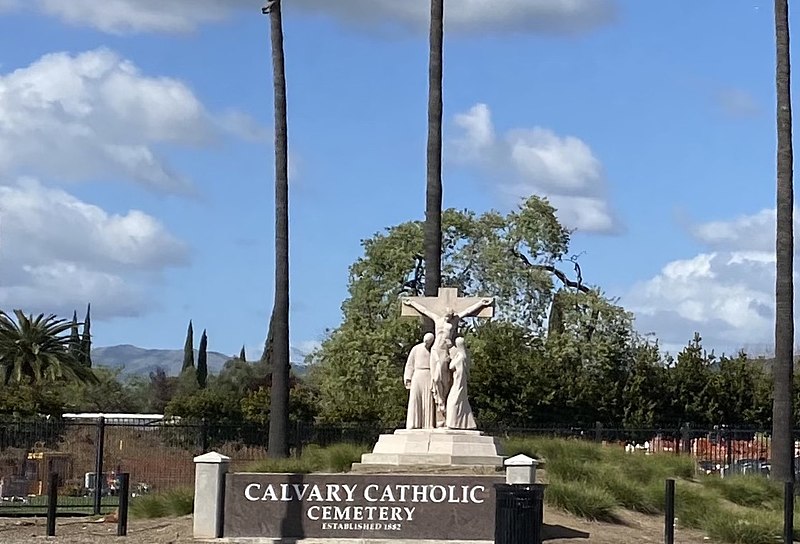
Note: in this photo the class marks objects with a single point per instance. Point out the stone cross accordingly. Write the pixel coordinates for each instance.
(448, 298)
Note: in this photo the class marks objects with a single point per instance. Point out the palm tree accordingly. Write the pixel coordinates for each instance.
(782, 419)
(37, 350)
(279, 322)
(433, 192)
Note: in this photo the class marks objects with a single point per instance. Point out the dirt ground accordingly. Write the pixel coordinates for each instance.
(559, 528)
(85, 531)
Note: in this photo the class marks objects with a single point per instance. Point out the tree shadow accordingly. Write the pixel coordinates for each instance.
(292, 522)
(556, 532)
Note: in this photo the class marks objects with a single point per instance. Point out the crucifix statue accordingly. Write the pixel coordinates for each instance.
(446, 311)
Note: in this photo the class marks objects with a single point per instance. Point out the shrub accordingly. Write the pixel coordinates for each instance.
(574, 469)
(335, 458)
(745, 527)
(752, 491)
(177, 502)
(340, 457)
(516, 445)
(647, 469)
(628, 493)
(586, 501)
(553, 449)
(279, 466)
(692, 502)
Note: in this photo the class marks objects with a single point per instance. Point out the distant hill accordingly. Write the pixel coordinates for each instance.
(141, 361)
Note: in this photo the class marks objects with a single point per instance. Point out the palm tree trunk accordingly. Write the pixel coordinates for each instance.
(782, 419)
(433, 197)
(279, 398)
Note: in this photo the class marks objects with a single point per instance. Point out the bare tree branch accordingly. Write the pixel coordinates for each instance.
(556, 272)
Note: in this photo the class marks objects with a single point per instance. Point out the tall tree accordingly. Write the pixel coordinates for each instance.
(86, 341)
(279, 355)
(188, 349)
(202, 361)
(433, 191)
(359, 363)
(242, 355)
(36, 350)
(75, 337)
(782, 439)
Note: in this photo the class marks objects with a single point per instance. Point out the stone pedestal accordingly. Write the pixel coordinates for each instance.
(424, 450)
(209, 494)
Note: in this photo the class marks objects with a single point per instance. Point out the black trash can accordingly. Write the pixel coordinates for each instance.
(519, 514)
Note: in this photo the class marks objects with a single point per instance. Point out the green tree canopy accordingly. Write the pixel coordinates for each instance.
(188, 349)
(202, 361)
(512, 257)
(86, 339)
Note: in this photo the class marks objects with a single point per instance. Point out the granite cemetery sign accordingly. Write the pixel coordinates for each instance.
(360, 506)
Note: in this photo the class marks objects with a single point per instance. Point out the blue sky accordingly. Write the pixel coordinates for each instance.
(136, 166)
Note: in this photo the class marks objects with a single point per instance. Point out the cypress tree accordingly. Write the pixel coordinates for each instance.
(202, 361)
(242, 355)
(75, 338)
(86, 341)
(188, 349)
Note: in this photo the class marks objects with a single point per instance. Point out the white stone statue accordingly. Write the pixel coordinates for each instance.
(459, 412)
(417, 379)
(446, 328)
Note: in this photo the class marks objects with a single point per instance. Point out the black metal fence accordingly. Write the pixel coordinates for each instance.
(158, 454)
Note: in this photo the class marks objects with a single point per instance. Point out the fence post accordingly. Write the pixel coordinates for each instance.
(686, 442)
(598, 432)
(729, 446)
(203, 435)
(122, 517)
(98, 464)
(52, 503)
(669, 512)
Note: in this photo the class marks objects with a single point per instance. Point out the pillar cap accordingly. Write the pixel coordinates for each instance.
(520, 460)
(212, 457)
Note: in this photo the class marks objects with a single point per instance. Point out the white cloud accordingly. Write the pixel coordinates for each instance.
(725, 293)
(471, 16)
(58, 253)
(94, 115)
(559, 164)
(475, 16)
(129, 16)
(746, 232)
(537, 161)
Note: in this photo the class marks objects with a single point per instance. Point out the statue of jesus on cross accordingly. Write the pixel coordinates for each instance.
(446, 311)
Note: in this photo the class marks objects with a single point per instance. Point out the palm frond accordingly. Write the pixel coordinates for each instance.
(37, 349)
